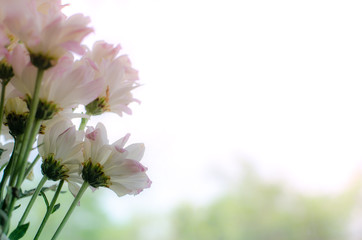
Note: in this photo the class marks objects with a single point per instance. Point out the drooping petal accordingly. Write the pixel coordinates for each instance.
(119, 145)
(135, 151)
(119, 189)
(136, 182)
(73, 188)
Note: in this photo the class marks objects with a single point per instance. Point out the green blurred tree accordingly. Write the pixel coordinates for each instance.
(258, 210)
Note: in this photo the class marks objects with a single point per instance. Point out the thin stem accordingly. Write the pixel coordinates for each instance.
(9, 168)
(71, 209)
(24, 151)
(32, 200)
(21, 169)
(30, 129)
(15, 155)
(83, 124)
(49, 210)
(2, 102)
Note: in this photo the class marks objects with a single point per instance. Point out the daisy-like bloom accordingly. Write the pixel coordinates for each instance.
(113, 166)
(64, 86)
(61, 150)
(46, 32)
(119, 79)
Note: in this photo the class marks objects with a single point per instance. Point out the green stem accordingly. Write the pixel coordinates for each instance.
(49, 210)
(30, 131)
(71, 209)
(32, 200)
(21, 160)
(19, 145)
(21, 169)
(2, 102)
(83, 124)
(30, 128)
(9, 168)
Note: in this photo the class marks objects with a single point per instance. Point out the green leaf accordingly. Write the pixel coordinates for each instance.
(45, 198)
(16, 207)
(56, 207)
(19, 232)
(31, 191)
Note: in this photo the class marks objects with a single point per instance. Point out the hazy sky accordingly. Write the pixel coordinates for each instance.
(277, 83)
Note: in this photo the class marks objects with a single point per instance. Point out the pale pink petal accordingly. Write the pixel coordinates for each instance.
(135, 151)
(119, 189)
(119, 145)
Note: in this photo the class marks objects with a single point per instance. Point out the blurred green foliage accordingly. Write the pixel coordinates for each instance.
(253, 210)
(257, 210)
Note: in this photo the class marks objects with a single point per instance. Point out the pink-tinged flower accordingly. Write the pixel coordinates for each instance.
(103, 51)
(45, 30)
(66, 85)
(119, 79)
(113, 166)
(61, 150)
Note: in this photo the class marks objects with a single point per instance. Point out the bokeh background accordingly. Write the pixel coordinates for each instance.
(251, 115)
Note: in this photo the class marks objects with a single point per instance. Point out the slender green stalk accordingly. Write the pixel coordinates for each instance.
(12, 199)
(71, 209)
(18, 143)
(2, 102)
(30, 128)
(21, 160)
(49, 210)
(21, 168)
(83, 124)
(9, 168)
(32, 200)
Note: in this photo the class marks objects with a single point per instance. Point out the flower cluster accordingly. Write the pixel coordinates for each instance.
(43, 84)
(76, 157)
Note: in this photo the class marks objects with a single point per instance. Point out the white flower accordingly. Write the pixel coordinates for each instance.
(61, 151)
(119, 79)
(113, 166)
(64, 86)
(44, 29)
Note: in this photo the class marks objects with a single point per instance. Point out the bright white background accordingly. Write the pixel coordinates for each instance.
(275, 83)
